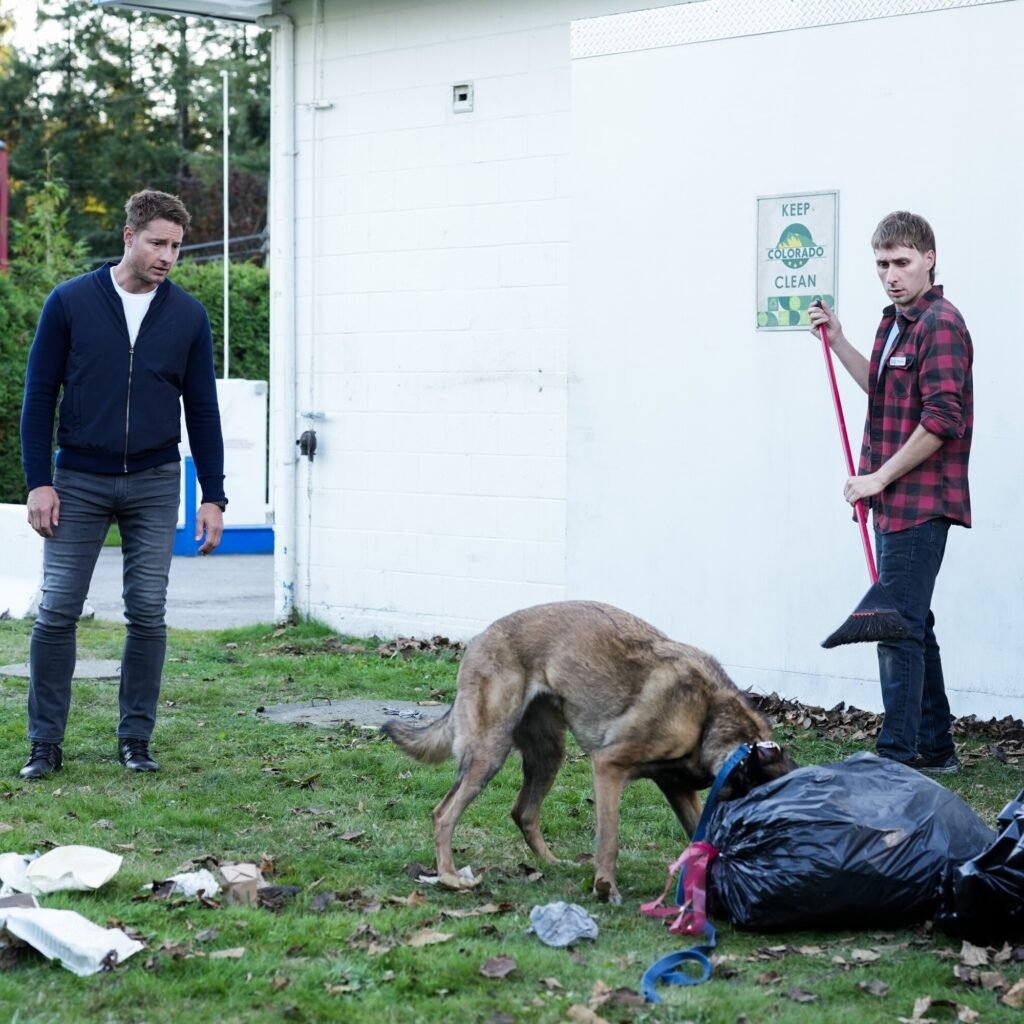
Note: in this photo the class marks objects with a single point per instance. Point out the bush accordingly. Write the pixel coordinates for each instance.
(249, 297)
(19, 310)
(22, 300)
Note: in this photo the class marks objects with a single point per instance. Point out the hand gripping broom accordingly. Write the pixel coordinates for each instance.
(875, 618)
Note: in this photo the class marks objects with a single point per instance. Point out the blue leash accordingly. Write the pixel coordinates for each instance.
(665, 969)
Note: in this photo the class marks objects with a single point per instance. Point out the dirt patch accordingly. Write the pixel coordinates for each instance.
(368, 714)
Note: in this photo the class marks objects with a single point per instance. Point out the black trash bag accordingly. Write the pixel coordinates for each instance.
(864, 843)
(983, 899)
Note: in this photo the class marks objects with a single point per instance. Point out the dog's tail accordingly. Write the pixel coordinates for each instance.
(430, 743)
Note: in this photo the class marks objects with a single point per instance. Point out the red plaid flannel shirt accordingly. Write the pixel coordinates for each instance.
(930, 384)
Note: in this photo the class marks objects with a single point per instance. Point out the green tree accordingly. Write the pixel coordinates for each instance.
(42, 255)
(43, 252)
(127, 100)
(19, 311)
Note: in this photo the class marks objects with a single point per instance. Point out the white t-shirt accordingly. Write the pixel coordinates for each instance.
(890, 343)
(135, 307)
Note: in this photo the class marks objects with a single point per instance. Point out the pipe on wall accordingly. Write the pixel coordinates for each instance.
(283, 452)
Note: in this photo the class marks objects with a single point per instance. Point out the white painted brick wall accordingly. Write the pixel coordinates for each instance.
(433, 309)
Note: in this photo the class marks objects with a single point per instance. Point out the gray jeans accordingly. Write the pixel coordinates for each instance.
(145, 505)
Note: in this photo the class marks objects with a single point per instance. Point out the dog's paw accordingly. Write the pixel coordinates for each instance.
(606, 891)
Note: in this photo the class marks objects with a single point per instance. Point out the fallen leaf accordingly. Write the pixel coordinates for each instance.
(339, 990)
(501, 1018)
(874, 987)
(279, 983)
(769, 978)
(485, 908)
(973, 956)
(348, 837)
(964, 1014)
(552, 983)
(798, 995)
(1014, 997)
(414, 899)
(228, 954)
(428, 937)
(530, 873)
(465, 879)
(274, 897)
(175, 950)
(584, 1015)
(992, 980)
(967, 975)
(321, 901)
(864, 956)
(626, 997)
(498, 967)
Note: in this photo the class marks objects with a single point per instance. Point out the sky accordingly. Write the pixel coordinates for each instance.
(24, 12)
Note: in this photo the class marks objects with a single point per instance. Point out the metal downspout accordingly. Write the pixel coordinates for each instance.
(283, 454)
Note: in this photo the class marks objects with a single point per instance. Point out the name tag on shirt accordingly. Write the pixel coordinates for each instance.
(900, 362)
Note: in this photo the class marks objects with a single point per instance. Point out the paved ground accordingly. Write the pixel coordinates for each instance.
(205, 593)
(214, 593)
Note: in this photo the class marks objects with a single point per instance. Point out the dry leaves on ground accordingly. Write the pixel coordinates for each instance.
(498, 967)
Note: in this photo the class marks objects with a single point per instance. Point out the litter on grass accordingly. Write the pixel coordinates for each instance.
(462, 879)
(189, 883)
(81, 946)
(561, 924)
(64, 868)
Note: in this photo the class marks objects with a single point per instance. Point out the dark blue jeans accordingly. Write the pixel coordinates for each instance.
(913, 691)
(145, 505)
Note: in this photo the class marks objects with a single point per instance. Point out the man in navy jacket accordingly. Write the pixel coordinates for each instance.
(122, 348)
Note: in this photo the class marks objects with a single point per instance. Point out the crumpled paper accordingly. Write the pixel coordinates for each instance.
(463, 879)
(562, 924)
(81, 946)
(63, 868)
(191, 883)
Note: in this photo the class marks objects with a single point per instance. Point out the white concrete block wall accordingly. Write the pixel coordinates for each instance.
(746, 547)
(432, 313)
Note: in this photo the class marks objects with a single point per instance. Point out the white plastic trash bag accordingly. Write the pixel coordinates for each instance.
(81, 868)
(81, 946)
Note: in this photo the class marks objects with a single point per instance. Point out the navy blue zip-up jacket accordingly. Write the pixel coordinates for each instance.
(120, 408)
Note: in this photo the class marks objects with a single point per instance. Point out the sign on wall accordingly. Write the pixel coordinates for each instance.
(796, 257)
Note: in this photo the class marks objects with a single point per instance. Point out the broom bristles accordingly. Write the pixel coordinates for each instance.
(874, 620)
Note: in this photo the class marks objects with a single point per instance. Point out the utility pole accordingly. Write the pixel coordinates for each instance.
(227, 229)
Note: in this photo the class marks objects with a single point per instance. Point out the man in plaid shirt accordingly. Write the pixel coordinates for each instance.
(912, 473)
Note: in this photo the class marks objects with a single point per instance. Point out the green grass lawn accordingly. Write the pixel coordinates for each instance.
(341, 811)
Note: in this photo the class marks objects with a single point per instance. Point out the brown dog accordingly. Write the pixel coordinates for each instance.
(640, 704)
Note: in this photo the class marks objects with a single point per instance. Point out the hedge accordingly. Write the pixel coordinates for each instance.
(249, 355)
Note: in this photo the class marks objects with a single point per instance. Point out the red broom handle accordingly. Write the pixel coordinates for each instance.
(861, 518)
